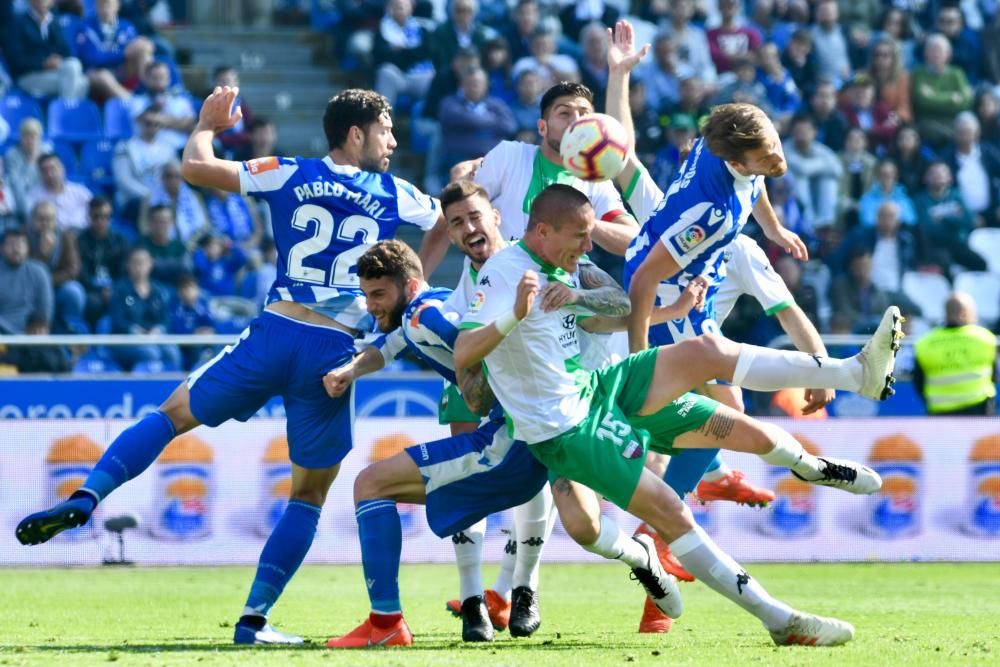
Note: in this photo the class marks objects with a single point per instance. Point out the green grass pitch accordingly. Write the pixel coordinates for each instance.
(905, 614)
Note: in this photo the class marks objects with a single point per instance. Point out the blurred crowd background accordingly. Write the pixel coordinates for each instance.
(888, 110)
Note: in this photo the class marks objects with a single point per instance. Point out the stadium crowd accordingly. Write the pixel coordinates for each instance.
(888, 109)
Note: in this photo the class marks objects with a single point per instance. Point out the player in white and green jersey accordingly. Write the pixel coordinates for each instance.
(594, 428)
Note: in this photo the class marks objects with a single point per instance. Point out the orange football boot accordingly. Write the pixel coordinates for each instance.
(369, 635)
(496, 605)
(734, 487)
(667, 560)
(653, 620)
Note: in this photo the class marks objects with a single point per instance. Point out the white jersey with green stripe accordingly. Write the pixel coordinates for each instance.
(535, 371)
(747, 269)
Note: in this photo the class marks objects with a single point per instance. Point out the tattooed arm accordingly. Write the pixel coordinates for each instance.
(598, 292)
(475, 389)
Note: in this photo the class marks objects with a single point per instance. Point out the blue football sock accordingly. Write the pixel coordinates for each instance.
(131, 452)
(284, 551)
(381, 544)
(686, 469)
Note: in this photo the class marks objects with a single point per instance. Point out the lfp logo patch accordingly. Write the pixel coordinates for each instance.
(688, 238)
(260, 165)
(478, 299)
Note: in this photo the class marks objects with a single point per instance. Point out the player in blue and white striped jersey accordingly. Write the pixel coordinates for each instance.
(324, 214)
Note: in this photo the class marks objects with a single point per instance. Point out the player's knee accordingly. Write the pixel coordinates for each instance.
(582, 528)
(177, 409)
(368, 485)
(671, 518)
(313, 496)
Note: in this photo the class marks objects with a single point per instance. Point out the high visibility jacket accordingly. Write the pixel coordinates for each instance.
(958, 367)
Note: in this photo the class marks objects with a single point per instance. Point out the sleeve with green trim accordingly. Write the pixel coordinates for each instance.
(748, 271)
(643, 195)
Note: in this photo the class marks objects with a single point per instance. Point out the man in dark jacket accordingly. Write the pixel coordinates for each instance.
(402, 53)
(39, 58)
(102, 257)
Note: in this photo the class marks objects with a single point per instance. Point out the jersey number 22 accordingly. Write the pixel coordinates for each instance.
(343, 272)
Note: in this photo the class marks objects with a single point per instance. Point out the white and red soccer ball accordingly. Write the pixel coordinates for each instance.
(594, 148)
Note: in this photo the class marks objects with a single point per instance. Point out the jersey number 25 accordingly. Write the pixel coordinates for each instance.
(343, 272)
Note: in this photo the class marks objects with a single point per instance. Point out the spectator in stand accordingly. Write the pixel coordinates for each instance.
(235, 137)
(21, 161)
(691, 42)
(525, 107)
(231, 215)
(518, 34)
(831, 126)
(945, 223)
(892, 81)
(662, 74)
(991, 50)
(966, 48)
(783, 95)
(854, 295)
(830, 44)
(460, 31)
(38, 358)
(27, 287)
(259, 281)
(681, 132)
(138, 163)
(112, 52)
(476, 120)
(552, 67)
(446, 81)
(733, 39)
(263, 134)
(402, 53)
(817, 172)
(800, 61)
(102, 258)
(172, 108)
(886, 188)
(857, 173)
(38, 57)
(190, 314)
(189, 210)
(940, 91)
(744, 88)
(649, 135)
(576, 16)
(773, 30)
(899, 26)
(894, 248)
(594, 60)
(57, 251)
(781, 192)
(976, 166)
(498, 67)
(70, 198)
(804, 295)
(170, 257)
(858, 18)
(693, 101)
(217, 263)
(141, 307)
(8, 204)
(912, 158)
(987, 108)
(860, 108)
(357, 18)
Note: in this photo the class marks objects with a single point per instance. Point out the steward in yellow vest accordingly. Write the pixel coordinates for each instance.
(955, 371)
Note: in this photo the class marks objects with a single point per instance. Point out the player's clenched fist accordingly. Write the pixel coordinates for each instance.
(556, 295)
(337, 381)
(527, 290)
(694, 293)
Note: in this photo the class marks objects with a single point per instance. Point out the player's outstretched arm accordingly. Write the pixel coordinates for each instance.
(476, 389)
(339, 380)
(199, 166)
(765, 216)
(806, 338)
(622, 59)
(658, 265)
(692, 298)
(472, 345)
(434, 247)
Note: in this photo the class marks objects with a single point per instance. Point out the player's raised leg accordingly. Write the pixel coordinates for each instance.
(125, 458)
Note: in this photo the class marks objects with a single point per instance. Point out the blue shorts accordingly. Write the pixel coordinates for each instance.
(279, 356)
(694, 324)
(470, 476)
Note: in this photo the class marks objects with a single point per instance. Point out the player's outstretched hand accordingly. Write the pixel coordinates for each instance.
(622, 56)
(527, 290)
(817, 399)
(556, 295)
(339, 380)
(217, 113)
(791, 243)
(466, 169)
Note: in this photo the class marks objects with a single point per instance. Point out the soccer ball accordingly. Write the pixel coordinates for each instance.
(594, 148)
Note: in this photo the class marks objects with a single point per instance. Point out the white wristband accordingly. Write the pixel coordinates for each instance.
(506, 323)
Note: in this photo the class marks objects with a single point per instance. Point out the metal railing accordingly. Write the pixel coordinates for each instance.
(183, 340)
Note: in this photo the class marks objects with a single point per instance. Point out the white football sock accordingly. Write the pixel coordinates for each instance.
(704, 559)
(532, 522)
(505, 577)
(721, 472)
(764, 369)
(789, 453)
(468, 545)
(612, 543)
